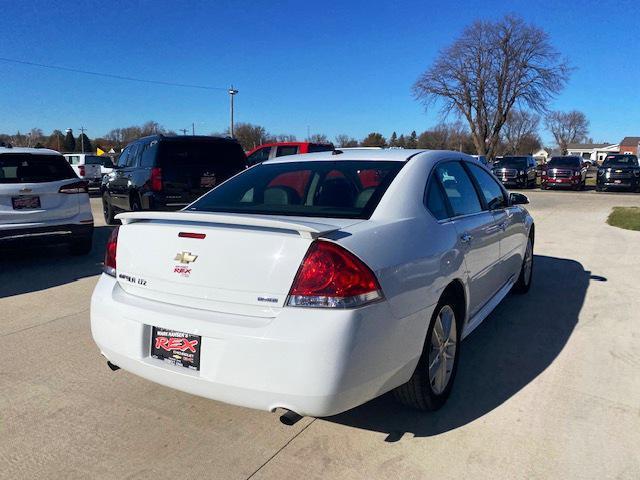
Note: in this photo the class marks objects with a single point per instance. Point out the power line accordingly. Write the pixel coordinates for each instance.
(110, 75)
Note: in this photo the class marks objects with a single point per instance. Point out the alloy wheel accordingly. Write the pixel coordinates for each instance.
(442, 349)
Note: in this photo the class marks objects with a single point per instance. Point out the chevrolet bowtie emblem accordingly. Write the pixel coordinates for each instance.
(185, 257)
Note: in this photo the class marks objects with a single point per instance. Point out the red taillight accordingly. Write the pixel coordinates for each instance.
(75, 187)
(110, 253)
(81, 170)
(156, 179)
(331, 276)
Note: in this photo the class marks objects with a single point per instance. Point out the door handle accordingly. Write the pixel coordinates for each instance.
(466, 238)
(503, 226)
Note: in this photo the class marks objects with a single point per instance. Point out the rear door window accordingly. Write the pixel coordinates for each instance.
(74, 159)
(308, 189)
(458, 188)
(222, 159)
(28, 168)
(285, 150)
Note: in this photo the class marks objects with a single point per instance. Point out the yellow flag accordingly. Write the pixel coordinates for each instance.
(99, 151)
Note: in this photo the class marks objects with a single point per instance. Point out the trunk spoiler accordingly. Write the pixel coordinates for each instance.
(305, 229)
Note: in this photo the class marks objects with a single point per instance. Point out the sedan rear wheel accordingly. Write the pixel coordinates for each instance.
(431, 382)
(523, 284)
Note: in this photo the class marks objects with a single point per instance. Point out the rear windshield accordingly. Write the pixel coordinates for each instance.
(626, 160)
(93, 160)
(564, 162)
(28, 168)
(511, 162)
(225, 159)
(344, 189)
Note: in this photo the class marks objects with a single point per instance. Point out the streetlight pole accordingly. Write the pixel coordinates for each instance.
(232, 93)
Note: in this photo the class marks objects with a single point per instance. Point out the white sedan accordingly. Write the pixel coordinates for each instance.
(315, 283)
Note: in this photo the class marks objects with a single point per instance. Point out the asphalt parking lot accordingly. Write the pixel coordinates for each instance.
(548, 386)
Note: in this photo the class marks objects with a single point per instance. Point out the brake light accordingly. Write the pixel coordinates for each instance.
(198, 236)
(81, 170)
(110, 253)
(75, 187)
(331, 276)
(156, 179)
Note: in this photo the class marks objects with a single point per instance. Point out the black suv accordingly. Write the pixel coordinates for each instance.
(516, 171)
(168, 172)
(619, 171)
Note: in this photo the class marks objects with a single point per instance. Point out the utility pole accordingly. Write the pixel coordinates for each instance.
(193, 126)
(232, 93)
(82, 130)
(183, 130)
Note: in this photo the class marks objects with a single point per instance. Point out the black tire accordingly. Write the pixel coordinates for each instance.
(135, 204)
(523, 284)
(598, 188)
(107, 210)
(419, 392)
(81, 245)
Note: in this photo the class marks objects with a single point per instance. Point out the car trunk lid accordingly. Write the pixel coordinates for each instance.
(242, 264)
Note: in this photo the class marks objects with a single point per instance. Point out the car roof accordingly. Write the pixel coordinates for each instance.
(33, 151)
(398, 155)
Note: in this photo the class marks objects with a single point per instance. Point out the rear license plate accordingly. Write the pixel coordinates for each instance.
(176, 348)
(25, 202)
(207, 182)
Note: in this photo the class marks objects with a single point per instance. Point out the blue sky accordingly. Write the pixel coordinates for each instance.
(336, 67)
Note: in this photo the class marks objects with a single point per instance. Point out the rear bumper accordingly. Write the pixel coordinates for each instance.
(312, 361)
(45, 231)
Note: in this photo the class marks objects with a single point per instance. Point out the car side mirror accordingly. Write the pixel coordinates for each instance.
(518, 199)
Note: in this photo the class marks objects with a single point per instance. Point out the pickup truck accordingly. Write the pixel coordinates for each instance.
(87, 166)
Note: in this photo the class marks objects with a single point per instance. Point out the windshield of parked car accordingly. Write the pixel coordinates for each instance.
(28, 168)
(564, 162)
(511, 162)
(626, 160)
(331, 189)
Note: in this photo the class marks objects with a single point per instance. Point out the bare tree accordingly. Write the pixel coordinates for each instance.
(567, 127)
(343, 140)
(520, 131)
(250, 135)
(447, 136)
(491, 68)
(319, 138)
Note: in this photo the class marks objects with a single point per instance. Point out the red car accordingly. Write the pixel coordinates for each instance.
(268, 151)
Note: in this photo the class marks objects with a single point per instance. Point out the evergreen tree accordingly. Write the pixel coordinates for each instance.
(83, 140)
(393, 141)
(402, 142)
(412, 141)
(69, 142)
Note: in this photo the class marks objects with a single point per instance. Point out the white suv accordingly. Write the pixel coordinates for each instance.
(41, 197)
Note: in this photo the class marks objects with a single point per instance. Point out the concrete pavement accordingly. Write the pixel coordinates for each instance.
(548, 386)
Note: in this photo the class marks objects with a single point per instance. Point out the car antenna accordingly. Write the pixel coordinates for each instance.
(336, 152)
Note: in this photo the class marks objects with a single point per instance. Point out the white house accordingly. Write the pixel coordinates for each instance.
(592, 152)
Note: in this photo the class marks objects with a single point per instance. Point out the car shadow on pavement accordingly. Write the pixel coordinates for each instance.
(37, 267)
(516, 343)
